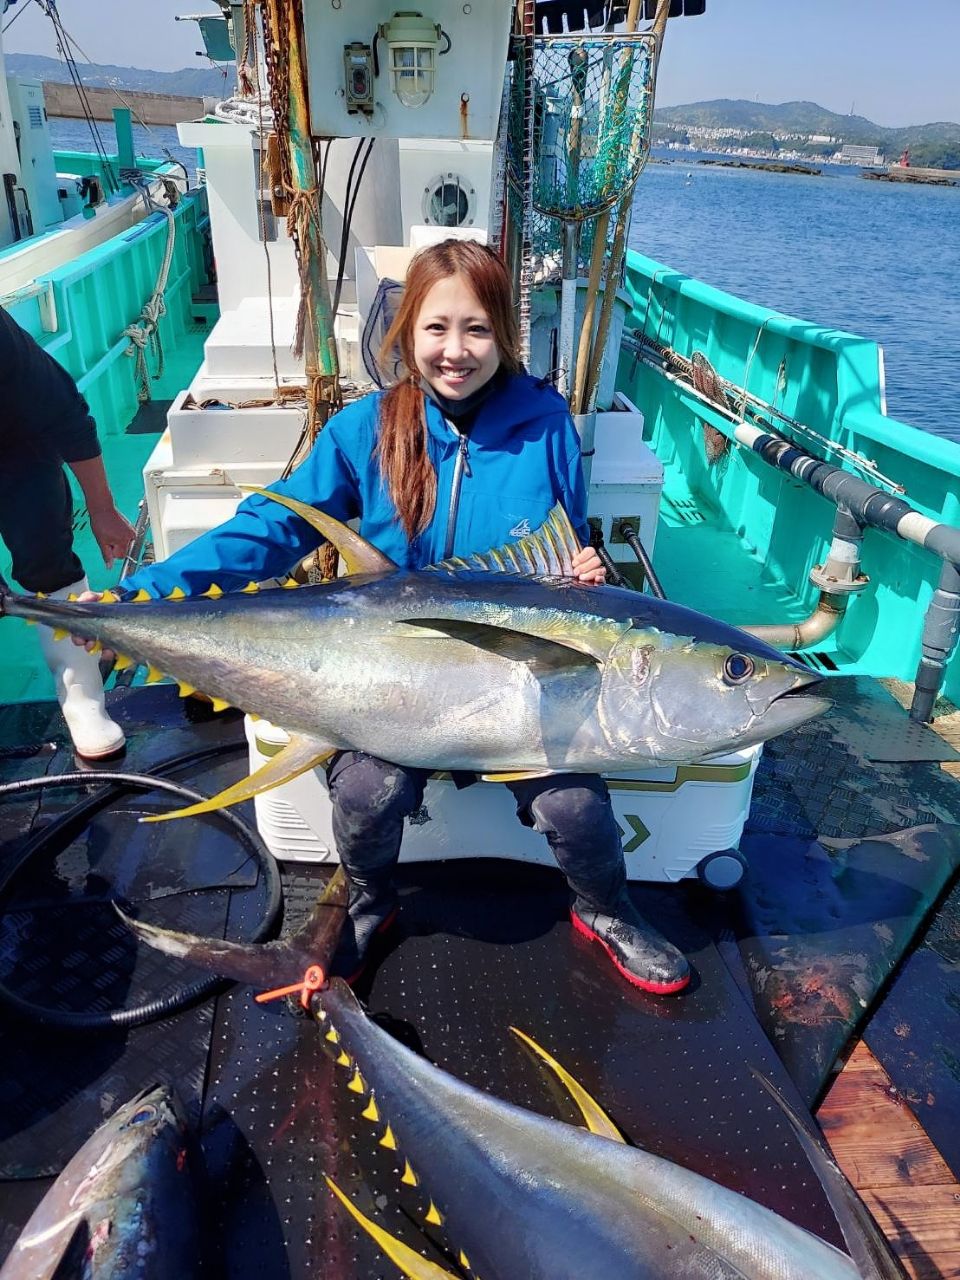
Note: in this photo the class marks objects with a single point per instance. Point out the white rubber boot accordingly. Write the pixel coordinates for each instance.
(76, 674)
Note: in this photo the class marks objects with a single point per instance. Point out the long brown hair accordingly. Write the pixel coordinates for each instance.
(402, 450)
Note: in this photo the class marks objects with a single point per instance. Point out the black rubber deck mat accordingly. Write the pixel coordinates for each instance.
(846, 857)
(915, 1033)
(482, 946)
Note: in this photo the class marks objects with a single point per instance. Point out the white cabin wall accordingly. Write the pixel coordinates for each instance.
(9, 161)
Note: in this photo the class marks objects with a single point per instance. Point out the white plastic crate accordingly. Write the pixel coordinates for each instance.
(671, 819)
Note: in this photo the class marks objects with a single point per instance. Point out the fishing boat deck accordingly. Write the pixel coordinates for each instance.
(848, 857)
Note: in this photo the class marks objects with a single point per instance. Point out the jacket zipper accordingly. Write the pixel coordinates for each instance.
(461, 468)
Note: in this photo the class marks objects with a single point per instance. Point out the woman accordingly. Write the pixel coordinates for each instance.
(465, 453)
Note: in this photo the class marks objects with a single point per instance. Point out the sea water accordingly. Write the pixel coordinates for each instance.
(878, 259)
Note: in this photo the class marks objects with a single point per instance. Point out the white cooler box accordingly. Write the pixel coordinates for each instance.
(675, 822)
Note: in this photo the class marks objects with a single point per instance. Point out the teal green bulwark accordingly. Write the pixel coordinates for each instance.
(772, 529)
(100, 293)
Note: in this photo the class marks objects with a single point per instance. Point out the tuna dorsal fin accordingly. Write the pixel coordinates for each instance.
(542, 656)
(596, 1118)
(548, 553)
(300, 754)
(871, 1254)
(412, 1264)
(359, 556)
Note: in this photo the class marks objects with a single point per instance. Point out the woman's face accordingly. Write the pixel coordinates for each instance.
(453, 344)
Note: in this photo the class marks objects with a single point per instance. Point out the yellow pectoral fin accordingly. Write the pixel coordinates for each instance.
(597, 1119)
(359, 556)
(412, 1264)
(300, 754)
(517, 776)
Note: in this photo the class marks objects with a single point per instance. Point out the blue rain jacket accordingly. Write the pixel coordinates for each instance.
(522, 455)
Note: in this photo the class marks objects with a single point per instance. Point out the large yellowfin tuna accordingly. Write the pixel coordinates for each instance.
(468, 665)
(515, 1194)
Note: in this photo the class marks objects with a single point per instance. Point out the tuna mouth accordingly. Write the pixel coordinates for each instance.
(801, 702)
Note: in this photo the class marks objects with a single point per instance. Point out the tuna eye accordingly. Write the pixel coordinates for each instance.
(737, 667)
(143, 1115)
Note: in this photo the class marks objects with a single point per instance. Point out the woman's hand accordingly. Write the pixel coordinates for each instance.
(587, 567)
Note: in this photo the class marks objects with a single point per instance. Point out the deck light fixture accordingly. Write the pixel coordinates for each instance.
(412, 42)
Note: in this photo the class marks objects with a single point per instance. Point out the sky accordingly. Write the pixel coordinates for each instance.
(893, 61)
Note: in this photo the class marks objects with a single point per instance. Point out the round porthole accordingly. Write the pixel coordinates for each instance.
(448, 201)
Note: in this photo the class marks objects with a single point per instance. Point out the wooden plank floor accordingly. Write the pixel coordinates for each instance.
(885, 1153)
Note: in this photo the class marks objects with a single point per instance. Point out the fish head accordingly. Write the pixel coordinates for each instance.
(115, 1156)
(677, 697)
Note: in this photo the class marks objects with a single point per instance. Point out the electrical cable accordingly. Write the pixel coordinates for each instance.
(349, 201)
(183, 996)
(629, 535)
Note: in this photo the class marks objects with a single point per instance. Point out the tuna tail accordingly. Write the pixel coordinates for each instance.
(264, 965)
(868, 1247)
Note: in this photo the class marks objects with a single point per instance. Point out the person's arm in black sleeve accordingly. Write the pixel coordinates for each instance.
(41, 403)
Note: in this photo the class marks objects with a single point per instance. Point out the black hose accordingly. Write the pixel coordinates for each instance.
(183, 996)
(629, 535)
(614, 577)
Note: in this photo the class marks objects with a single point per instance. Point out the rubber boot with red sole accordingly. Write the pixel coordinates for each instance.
(641, 954)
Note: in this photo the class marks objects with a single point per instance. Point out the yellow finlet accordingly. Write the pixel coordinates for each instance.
(333, 1035)
(95, 647)
(343, 1059)
(177, 593)
(388, 1140)
(185, 690)
(409, 1178)
(359, 556)
(213, 592)
(433, 1216)
(290, 584)
(370, 1111)
(413, 1265)
(596, 1118)
(153, 675)
(73, 597)
(250, 588)
(142, 597)
(219, 704)
(123, 663)
(464, 1261)
(357, 1085)
(300, 754)
(109, 597)
(59, 633)
(42, 595)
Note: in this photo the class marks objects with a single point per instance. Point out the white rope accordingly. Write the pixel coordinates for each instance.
(145, 332)
(246, 111)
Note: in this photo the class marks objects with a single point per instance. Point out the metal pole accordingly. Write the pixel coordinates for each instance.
(315, 326)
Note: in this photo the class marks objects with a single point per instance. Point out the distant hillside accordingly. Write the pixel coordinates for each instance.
(809, 118)
(191, 82)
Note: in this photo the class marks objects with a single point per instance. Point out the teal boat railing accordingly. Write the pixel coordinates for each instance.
(98, 294)
(832, 382)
